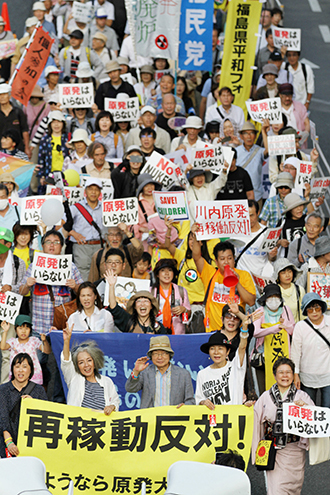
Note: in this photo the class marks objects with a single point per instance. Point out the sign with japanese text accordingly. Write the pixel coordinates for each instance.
(271, 236)
(116, 211)
(10, 304)
(304, 173)
(239, 48)
(125, 288)
(76, 95)
(276, 345)
(51, 269)
(117, 453)
(7, 48)
(269, 108)
(73, 194)
(178, 157)
(159, 74)
(208, 157)
(261, 282)
(306, 421)
(195, 48)
(31, 206)
(320, 284)
(319, 187)
(32, 66)
(123, 110)
(287, 37)
(161, 170)
(222, 218)
(281, 145)
(81, 12)
(107, 187)
(171, 204)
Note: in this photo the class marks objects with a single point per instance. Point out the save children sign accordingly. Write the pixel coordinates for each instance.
(171, 204)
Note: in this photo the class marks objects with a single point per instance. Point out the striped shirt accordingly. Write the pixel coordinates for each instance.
(94, 396)
(163, 388)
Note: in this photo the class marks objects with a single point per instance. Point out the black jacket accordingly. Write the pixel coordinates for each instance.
(124, 182)
(106, 90)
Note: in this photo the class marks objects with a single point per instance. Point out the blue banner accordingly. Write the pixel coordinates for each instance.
(195, 40)
(121, 350)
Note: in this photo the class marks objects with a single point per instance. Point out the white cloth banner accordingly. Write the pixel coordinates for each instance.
(306, 421)
(10, 304)
(269, 108)
(51, 269)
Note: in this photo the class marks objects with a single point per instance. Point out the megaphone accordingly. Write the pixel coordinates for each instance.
(230, 278)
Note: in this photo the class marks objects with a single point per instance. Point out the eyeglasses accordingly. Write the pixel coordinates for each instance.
(284, 187)
(142, 300)
(315, 308)
(114, 263)
(55, 243)
(112, 234)
(229, 316)
(159, 353)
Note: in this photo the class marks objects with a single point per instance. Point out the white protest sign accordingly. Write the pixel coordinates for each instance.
(171, 204)
(208, 157)
(271, 236)
(7, 48)
(320, 284)
(319, 187)
(304, 173)
(287, 37)
(161, 170)
(282, 145)
(123, 210)
(222, 218)
(73, 194)
(160, 73)
(269, 108)
(76, 95)
(123, 110)
(81, 12)
(126, 288)
(31, 206)
(10, 304)
(178, 157)
(107, 187)
(51, 269)
(261, 282)
(128, 78)
(306, 421)
(228, 154)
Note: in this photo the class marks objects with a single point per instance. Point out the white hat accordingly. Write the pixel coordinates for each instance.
(52, 69)
(38, 6)
(193, 122)
(147, 108)
(292, 161)
(2, 22)
(93, 181)
(80, 135)
(4, 89)
(122, 96)
(84, 70)
(56, 115)
(53, 98)
(31, 21)
(101, 12)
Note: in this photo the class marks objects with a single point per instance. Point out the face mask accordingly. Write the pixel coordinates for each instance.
(273, 303)
(3, 204)
(3, 248)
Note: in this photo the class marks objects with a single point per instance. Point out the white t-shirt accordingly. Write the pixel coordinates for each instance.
(100, 321)
(222, 385)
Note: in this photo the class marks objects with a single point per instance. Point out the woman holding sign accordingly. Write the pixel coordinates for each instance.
(287, 475)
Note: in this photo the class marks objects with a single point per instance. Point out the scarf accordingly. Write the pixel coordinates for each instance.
(167, 313)
(275, 394)
(7, 277)
(272, 316)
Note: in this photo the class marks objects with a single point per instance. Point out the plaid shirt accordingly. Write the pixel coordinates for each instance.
(270, 212)
(42, 306)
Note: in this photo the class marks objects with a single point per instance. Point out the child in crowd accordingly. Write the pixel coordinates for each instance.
(142, 267)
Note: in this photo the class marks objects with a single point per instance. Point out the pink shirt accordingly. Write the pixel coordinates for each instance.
(31, 347)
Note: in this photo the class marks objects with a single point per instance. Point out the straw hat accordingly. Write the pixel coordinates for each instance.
(112, 66)
(37, 93)
(7, 177)
(248, 126)
(161, 343)
(145, 294)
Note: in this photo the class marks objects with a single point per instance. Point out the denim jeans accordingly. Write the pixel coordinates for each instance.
(325, 394)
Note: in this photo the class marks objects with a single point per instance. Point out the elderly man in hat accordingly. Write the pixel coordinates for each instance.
(101, 27)
(319, 263)
(310, 349)
(99, 46)
(295, 112)
(39, 11)
(193, 127)
(110, 89)
(148, 119)
(162, 383)
(274, 207)
(300, 250)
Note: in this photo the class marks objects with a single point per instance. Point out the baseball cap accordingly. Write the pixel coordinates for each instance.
(93, 181)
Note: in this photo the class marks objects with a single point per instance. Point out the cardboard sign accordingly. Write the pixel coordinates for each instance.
(306, 421)
(282, 145)
(287, 37)
(10, 304)
(319, 187)
(304, 174)
(271, 236)
(161, 170)
(51, 269)
(117, 211)
(73, 194)
(76, 95)
(171, 204)
(126, 288)
(31, 206)
(269, 108)
(7, 48)
(123, 110)
(222, 219)
(320, 284)
(82, 12)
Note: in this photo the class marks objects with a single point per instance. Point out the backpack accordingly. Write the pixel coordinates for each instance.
(88, 53)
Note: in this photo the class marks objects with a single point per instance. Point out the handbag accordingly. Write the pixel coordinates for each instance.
(257, 360)
(63, 311)
(265, 455)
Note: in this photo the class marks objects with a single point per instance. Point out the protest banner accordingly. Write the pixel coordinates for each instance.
(271, 236)
(178, 157)
(171, 204)
(28, 73)
(304, 173)
(306, 421)
(7, 48)
(31, 206)
(116, 211)
(123, 109)
(276, 345)
(126, 288)
(10, 304)
(20, 169)
(73, 194)
(76, 95)
(282, 145)
(261, 282)
(287, 37)
(195, 48)
(117, 453)
(239, 49)
(269, 108)
(161, 170)
(320, 284)
(222, 218)
(81, 12)
(51, 269)
(319, 187)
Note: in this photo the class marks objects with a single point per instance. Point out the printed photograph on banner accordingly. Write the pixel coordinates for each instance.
(51, 269)
(117, 211)
(287, 37)
(282, 145)
(304, 173)
(76, 95)
(123, 109)
(73, 194)
(126, 288)
(269, 108)
(10, 305)
(320, 284)
(271, 236)
(31, 207)
(319, 187)
(306, 421)
(161, 169)
(222, 218)
(171, 204)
